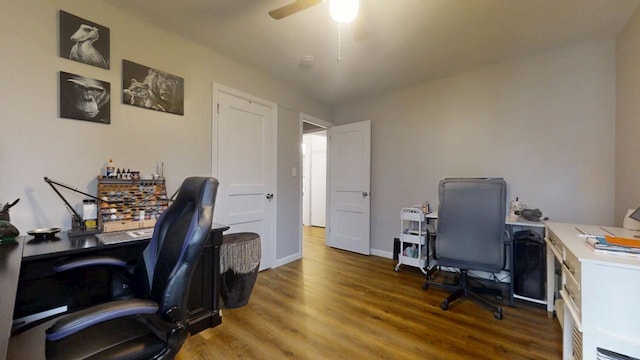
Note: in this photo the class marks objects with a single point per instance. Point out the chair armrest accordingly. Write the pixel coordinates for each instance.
(90, 261)
(83, 319)
(116, 266)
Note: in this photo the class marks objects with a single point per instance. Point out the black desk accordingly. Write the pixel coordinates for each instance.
(10, 256)
(39, 288)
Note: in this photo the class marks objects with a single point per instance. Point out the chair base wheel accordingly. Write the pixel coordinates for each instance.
(425, 286)
(444, 305)
(498, 315)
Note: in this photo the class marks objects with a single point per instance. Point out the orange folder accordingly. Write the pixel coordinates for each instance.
(620, 241)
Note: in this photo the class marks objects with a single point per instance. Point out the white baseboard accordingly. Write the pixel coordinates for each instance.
(288, 259)
(382, 253)
(298, 256)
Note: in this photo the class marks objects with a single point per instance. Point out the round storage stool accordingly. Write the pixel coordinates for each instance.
(239, 263)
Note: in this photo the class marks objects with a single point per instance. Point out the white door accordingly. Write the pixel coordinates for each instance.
(244, 131)
(349, 152)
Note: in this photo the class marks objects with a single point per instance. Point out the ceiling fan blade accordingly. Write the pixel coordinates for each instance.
(293, 8)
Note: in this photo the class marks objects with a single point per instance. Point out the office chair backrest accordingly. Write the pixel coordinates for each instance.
(471, 223)
(164, 271)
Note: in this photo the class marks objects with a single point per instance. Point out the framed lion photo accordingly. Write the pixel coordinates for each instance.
(153, 89)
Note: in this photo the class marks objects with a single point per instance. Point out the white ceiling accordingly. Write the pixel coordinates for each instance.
(392, 43)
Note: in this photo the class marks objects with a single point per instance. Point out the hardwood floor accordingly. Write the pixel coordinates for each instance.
(335, 304)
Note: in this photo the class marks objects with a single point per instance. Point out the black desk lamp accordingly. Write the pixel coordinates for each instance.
(78, 226)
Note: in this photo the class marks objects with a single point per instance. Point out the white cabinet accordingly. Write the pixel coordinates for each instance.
(414, 247)
(601, 317)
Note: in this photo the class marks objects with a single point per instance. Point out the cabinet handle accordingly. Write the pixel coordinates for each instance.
(571, 270)
(573, 297)
(269, 196)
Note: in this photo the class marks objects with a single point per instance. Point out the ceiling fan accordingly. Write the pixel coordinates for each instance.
(342, 11)
(292, 8)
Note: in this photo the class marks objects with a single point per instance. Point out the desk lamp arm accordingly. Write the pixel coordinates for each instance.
(51, 182)
(76, 217)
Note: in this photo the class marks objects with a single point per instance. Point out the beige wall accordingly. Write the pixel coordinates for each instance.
(627, 172)
(289, 187)
(35, 142)
(544, 123)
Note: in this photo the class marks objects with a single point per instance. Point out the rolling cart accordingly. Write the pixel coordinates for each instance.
(414, 244)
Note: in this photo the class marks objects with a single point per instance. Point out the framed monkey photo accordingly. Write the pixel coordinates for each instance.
(82, 98)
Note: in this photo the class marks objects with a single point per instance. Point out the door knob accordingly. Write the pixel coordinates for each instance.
(269, 196)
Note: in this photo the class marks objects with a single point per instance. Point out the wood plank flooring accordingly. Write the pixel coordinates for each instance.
(334, 304)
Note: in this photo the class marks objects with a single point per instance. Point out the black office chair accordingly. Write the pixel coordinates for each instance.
(471, 233)
(151, 325)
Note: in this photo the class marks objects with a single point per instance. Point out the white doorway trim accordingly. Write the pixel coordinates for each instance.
(314, 120)
(321, 123)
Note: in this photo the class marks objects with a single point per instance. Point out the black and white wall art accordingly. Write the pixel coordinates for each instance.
(82, 98)
(151, 88)
(84, 41)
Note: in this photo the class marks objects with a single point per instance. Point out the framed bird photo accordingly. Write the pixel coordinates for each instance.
(83, 40)
(83, 98)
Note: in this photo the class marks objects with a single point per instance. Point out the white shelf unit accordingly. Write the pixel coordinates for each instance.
(413, 233)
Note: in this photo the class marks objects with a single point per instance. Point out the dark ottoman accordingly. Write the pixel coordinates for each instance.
(239, 263)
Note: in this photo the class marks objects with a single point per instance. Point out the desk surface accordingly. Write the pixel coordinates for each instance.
(578, 245)
(61, 244)
(10, 256)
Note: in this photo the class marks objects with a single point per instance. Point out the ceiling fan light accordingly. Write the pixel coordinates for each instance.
(344, 11)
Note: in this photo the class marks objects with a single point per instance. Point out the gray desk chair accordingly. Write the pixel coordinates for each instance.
(471, 233)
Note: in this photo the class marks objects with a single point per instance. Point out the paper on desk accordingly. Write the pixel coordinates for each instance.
(612, 250)
(602, 244)
(140, 233)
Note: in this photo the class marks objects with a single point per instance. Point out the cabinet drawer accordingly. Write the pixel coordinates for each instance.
(572, 289)
(571, 264)
(555, 245)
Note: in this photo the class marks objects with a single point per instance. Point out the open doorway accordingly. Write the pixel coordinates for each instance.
(314, 176)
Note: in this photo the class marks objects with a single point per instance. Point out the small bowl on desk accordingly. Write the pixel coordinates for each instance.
(44, 234)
